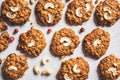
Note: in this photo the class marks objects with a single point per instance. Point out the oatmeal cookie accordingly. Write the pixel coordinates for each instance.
(15, 12)
(3, 27)
(4, 41)
(64, 42)
(79, 11)
(107, 13)
(14, 66)
(49, 12)
(96, 43)
(32, 42)
(73, 69)
(109, 68)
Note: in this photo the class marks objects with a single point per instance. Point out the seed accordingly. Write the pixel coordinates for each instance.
(15, 31)
(12, 39)
(82, 30)
(49, 31)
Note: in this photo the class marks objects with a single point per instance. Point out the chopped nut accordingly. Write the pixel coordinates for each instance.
(108, 10)
(107, 17)
(36, 70)
(48, 5)
(14, 9)
(32, 43)
(9, 15)
(46, 72)
(115, 64)
(12, 68)
(31, 1)
(66, 41)
(87, 7)
(45, 59)
(113, 70)
(77, 12)
(75, 69)
(96, 42)
(66, 77)
(50, 18)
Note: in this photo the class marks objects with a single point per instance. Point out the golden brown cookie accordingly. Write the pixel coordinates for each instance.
(3, 27)
(49, 12)
(73, 69)
(15, 12)
(4, 41)
(79, 11)
(64, 42)
(109, 68)
(107, 13)
(32, 42)
(14, 66)
(96, 43)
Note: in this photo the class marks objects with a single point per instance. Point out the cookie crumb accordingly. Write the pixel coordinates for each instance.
(96, 1)
(0, 61)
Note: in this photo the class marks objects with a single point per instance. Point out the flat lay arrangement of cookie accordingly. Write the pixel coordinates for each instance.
(59, 40)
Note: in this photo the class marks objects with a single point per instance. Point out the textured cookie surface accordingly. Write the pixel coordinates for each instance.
(32, 42)
(109, 68)
(96, 43)
(79, 11)
(15, 11)
(4, 41)
(64, 42)
(107, 12)
(73, 69)
(49, 12)
(3, 27)
(14, 66)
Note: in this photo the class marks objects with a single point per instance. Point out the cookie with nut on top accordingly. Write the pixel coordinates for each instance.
(107, 13)
(79, 11)
(73, 69)
(15, 12)
(32, 42)
(4, 41)
(96, 43)
(49, 12)
(64, 42)
(109, 68)
(14, 66)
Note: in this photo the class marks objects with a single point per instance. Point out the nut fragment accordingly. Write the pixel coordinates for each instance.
(115, 64)
(45, 59)
(32, 43)
(48, 5)
(113, 70)
(36, 70)
(75, 69)
(46, 72)
(31, 1)
(108, 10)
(50, 18)
(77, 12)
(96, 42)
(14, 9)
(87, 7)
(66, 41)
(9, 15)
(66, 77)
(12, 68)
(107, 17)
